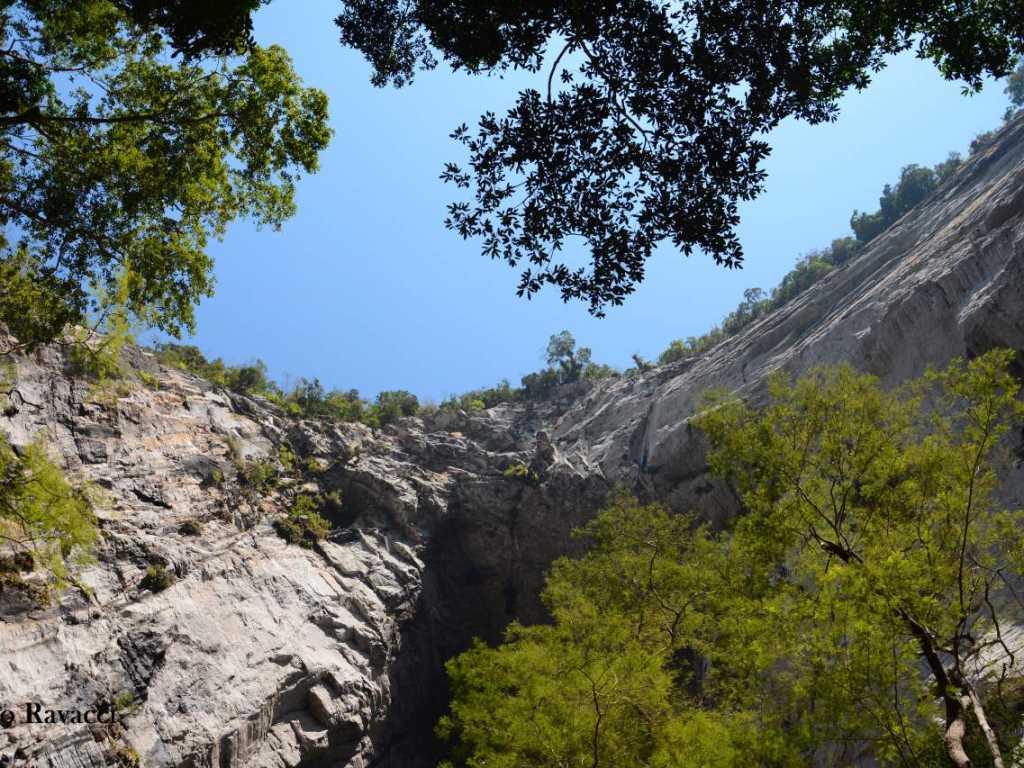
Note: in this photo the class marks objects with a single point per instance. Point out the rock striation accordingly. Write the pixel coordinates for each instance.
(265, 654)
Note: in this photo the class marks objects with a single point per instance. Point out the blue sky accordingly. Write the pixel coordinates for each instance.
(365, 287)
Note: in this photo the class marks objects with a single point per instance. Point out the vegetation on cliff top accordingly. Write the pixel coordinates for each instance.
(567, 363)
(914, 185)
(861, 601)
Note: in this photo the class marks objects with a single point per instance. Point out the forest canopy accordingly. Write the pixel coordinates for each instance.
(858, 607)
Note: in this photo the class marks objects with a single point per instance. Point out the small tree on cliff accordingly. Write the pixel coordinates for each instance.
(563, 355)
(859, 603)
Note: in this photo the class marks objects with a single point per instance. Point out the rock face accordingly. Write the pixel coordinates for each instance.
(262, 653)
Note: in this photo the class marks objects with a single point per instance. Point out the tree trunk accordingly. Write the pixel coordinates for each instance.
(956, 719)
(990, 736)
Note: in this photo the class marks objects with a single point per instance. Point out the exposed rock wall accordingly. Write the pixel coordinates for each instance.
(266, 654)
(947, 280)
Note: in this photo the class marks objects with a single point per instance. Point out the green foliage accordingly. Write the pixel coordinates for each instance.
(915, 184)
(538, 385)
(120, 161)
(948, 167)
(96, 358)
(33, 307)
(156, 579)
(42, 517)
(566, 364)
(519, 471)
(286, 457)
(884, 518)
(872, 567)
(126, 756)
(1015, 86)
(692, 345)
(149, 380)
(488, 397)
(313, 466)
(258, 476)
(304, 525)
(244, 379)
(96, 354)
(645, 122)
(600, 686)
(391, 406)
(308, 398)
(982, 141)
(195, 27)
(572, 363)
(641, 364)
(234, 450)
(312, 401)
(123, 702)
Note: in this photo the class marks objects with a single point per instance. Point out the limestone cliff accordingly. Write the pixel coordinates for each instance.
(262, 653)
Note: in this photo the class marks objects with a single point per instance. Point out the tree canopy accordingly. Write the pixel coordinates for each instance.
(857, 608)
(198, 27)
(648, 120)
(128, 138)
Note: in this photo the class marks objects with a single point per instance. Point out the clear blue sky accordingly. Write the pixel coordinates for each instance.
(365, 287)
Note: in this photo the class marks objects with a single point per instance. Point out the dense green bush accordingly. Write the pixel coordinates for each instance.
(915, 184)
(567, 363)
(156, 579)
(391, 406)
(487, 397)
(43, 519)
(244, 379)
(308, 398)
(304, 525)
(519, 471)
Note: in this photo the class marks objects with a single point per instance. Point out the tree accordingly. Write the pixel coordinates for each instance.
(393, 405)
(596, 686)
(946, 168)
(915, 184)
(119, 160)
(857, 607)
(563, 355)
(1015, 86)
(754, 305)
(44, 521)
(196, 27)
(886, 517)
(648, 118)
